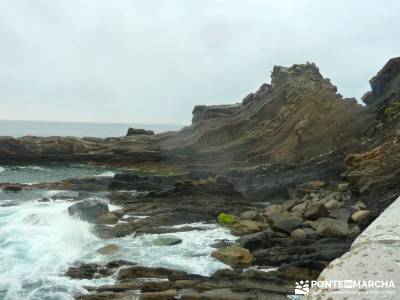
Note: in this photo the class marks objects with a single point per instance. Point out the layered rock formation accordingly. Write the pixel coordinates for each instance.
(130, 149)
(297, 117)
(373, 168)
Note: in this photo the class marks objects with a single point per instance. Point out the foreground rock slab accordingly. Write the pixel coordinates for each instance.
(374, 255)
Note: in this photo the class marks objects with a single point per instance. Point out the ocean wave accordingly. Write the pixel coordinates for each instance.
(2, 169)
(37, 168)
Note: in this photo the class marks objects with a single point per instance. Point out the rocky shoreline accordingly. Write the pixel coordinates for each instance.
(295, 171)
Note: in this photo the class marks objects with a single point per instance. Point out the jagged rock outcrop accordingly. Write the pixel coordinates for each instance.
(385, 89)
(297, 117)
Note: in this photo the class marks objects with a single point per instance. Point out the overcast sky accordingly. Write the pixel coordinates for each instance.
(149, 61)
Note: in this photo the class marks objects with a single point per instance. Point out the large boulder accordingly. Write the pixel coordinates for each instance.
(332, 227)
(89, 210)
(234, 256)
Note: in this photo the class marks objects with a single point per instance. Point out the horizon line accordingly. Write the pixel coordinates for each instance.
(90, 122)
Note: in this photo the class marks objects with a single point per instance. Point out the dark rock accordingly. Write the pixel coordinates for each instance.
(134, 131)
(12, 188)
(119, 212)
(167, 241)
(44, 200)
(89, 210)
(255, 240)
(287, 225)
(131, 181)
(311, 233)
(222, 244)
(118, 263)
(86, 271)
(134, 272)
(156, 286)
(385, 87)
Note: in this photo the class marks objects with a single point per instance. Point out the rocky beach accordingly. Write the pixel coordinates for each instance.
(241, 204)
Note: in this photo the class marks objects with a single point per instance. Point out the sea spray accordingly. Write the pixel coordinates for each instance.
(38, 240)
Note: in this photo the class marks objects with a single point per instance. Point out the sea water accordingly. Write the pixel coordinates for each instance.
(78, 129)
(39, 240)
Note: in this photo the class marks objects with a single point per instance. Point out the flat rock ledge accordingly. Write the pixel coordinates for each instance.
(374, 256)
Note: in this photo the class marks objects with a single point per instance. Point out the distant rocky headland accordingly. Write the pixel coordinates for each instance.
(295, 171)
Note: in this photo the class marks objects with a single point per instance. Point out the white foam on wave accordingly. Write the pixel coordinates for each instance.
(52, 193)
(192, 255)
(38, 241)
(37, 168)
(106, 174)
(2, 169)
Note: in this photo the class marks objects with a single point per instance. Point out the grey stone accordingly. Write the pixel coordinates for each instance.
(332, 227)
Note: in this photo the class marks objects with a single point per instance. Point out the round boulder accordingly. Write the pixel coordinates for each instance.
(298, 234)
